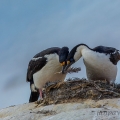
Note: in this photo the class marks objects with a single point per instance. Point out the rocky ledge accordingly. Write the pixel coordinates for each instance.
(107, 109)
(72, 100)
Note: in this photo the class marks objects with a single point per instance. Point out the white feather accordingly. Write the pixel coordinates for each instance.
(78, 53)
(33, 88)
(34, 59)
(49, 71)
(99, 65)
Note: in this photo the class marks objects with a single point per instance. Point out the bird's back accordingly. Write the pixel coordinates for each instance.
(38, 61)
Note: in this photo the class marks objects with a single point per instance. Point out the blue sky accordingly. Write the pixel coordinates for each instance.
(27, 27)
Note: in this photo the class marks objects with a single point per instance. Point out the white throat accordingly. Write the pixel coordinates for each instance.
(78, 53)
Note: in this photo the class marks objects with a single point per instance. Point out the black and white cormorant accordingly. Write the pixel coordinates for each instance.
(100, 62)
(44, 67)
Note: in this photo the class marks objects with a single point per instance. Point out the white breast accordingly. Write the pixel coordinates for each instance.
(49, 71)
(99, 66)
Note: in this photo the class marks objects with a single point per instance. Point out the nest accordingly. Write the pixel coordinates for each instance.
(74, 90)
(79, 89)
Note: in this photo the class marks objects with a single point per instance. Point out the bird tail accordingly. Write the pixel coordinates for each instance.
(34, 96)
(34, 93)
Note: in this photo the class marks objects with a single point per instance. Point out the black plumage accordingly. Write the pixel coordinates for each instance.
(35, 65)
(113, 52)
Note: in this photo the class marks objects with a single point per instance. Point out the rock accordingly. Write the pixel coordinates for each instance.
(106, 109)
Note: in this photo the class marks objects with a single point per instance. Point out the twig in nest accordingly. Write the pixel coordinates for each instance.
(72, 69)
(104, 90)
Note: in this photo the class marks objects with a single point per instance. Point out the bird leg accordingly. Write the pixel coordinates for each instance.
(40, 91)
(41, 98)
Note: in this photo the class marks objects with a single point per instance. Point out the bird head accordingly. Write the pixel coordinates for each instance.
(63, 56)
(74, 55)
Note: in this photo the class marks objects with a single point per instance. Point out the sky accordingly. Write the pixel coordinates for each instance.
(28, 27)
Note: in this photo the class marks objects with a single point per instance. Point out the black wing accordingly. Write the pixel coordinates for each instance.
(103, 49)
(39, 61)
(34, 66)
(114, 53)
(48, 51)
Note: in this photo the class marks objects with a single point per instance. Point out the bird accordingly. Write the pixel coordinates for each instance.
(46, 66)
(100, 62)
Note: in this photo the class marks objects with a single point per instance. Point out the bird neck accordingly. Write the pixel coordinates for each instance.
(80, 48)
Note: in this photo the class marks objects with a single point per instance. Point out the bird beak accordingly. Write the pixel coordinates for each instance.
(65, 67)
(63, 64)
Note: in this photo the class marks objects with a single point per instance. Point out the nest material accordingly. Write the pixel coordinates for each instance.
(72, 69)
(76, 89)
